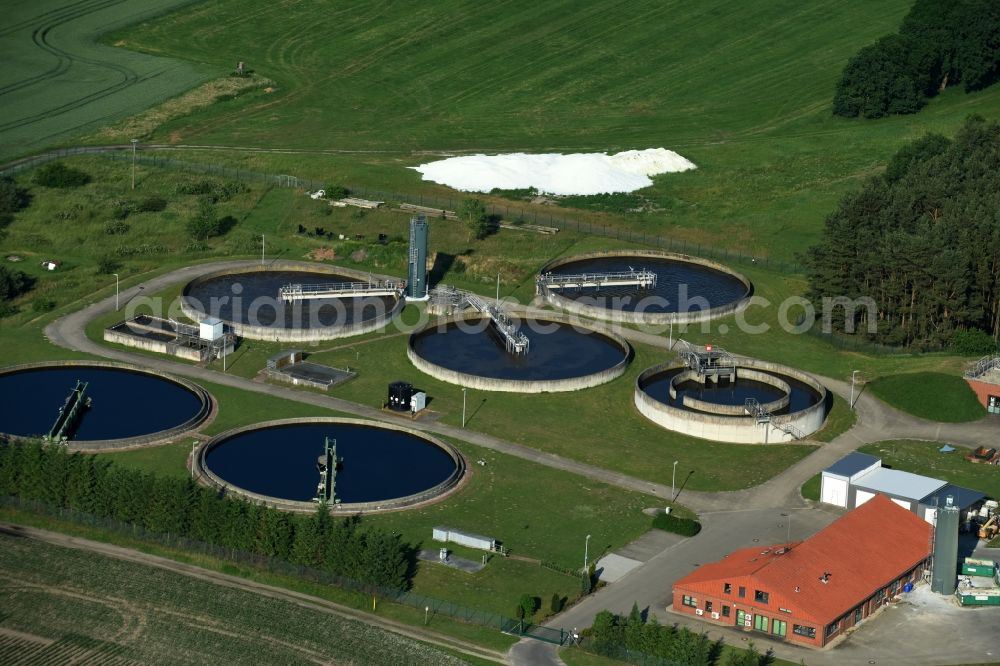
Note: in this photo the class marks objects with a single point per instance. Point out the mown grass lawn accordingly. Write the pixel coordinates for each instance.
(930, 395)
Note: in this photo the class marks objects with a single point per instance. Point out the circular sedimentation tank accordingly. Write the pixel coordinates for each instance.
(247, 298)
(383, 467)
(790, 404)
(688, 289)
(562, 355)
(128, 406)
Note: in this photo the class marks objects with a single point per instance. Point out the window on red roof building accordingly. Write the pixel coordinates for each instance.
(725, 611)
(708, 606)
(743, 591)
(727, 588)
(760, 596)
(803, 630)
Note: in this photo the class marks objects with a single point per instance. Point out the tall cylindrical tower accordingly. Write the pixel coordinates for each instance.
(944, 573)
(416, 279)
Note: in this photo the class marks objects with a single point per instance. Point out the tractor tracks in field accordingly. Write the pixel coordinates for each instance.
(41, 38)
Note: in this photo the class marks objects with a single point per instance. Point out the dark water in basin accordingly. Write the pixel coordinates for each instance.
(378, 464)
(557, 351)
(252, 298)
(680, 286)
(123, 403)
(802, 396)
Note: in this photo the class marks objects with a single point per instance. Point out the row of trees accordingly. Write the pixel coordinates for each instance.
(923, 242)
(618, 635)
(179, 506)
(939, 44)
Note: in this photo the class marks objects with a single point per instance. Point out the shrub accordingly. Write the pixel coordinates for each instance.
(556, 604)
(42, 304)
(12, 197)
(152, 205)
(57, 174)
(13, 283)
(527, 606)
(116, 227)
(107, 265)
(337, 192)
(200, 187)
(973, 342)
(682, 526)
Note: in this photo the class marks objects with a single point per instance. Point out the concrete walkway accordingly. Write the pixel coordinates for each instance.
(769, 513)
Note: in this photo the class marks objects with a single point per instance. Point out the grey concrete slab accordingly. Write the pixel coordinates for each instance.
(612, 567)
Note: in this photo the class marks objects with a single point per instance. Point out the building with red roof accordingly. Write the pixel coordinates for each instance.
(810, 592)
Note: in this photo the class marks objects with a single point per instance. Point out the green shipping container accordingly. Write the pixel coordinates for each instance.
(972, 599)
(978, 569)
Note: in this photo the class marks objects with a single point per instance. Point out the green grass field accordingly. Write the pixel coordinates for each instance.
(63, 605)
(930, 395)
(744, 91)
(58, 82)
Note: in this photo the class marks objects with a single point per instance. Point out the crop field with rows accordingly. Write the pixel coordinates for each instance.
(67, 606)
(58, 81)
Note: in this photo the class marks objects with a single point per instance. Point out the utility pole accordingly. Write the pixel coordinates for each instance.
(853, 375)
(673, 481)
(463, 406)
(262, 249)
(116, 291)
(586, 549)
(134, 141)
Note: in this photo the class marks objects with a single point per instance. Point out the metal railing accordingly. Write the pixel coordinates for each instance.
(300, 292)
(643, 279)
(514, 339)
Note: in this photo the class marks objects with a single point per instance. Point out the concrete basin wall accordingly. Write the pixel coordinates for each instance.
(209, 408)
(203, 475)
(552, 297)
(280, 333)
(737, 428)
(521, 385)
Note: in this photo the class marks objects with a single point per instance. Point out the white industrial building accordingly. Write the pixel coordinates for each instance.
(858, 477)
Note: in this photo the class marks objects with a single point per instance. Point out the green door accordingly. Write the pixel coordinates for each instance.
(779, 627)
(741, 618)
(760, 623)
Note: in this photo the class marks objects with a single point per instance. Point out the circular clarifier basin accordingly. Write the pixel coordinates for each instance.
(560, 357)
(381, 467)
(127, 406)
(765, 403)
(686, 288)
(701, 397)
(248, 299)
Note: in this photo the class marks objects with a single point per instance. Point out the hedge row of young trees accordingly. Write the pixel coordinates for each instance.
(923, 241)
(179, 506)
(939, 44)
(618, 635)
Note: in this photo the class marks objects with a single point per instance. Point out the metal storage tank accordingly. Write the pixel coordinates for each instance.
(944, 573)
(416, 279)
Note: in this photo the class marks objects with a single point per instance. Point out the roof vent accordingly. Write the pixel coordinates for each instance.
(797, 588)
(825, 578)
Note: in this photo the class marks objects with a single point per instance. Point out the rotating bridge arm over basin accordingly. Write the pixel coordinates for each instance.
(641, 279)
(301, 292)
(69, 413)
(515, 340)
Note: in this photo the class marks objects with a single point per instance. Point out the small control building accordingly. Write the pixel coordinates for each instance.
(858, 477)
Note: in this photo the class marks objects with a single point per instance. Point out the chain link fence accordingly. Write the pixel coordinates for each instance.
(512, 214)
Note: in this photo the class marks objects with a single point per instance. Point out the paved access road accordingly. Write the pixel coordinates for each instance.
(730, 520)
